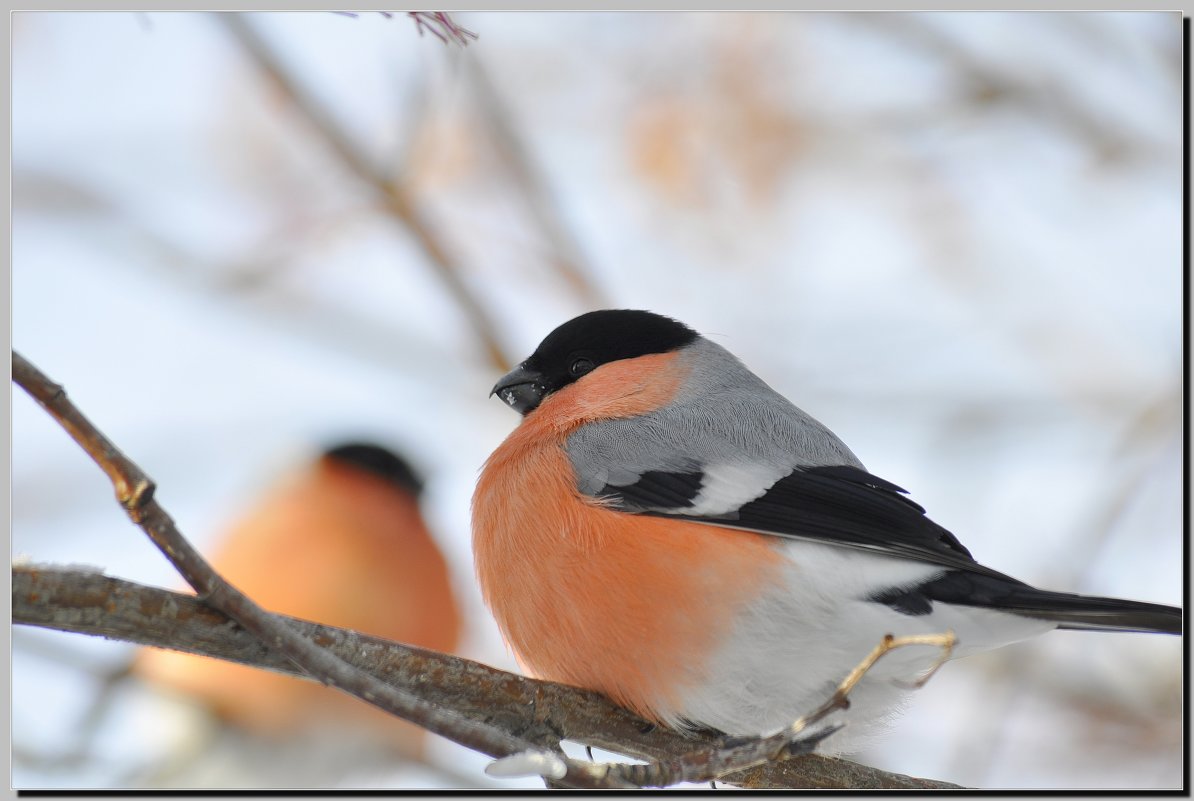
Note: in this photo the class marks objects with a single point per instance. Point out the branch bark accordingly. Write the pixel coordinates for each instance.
(91, 603)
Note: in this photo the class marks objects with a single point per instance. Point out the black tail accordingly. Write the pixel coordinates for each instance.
(1067, 610)
(1103, 614)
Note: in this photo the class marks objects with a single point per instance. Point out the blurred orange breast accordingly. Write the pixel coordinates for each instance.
(337, 546)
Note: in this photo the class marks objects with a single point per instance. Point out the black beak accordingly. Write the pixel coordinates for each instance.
(522, 389)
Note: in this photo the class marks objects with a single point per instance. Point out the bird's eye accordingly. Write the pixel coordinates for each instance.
(580, 367)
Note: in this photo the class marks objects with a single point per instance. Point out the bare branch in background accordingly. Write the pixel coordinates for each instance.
(90, 603)
(534, 186)
(249, 283)
(988, 84)
(1165, 57)
(78, 749)
(396, 200)
(1154, 428)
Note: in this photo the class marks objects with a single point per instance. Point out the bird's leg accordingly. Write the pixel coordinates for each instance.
(840, 700)
(947, 651)
(735, 753)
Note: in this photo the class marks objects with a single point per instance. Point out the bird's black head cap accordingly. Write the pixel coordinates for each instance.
(583, 344)
(379, 461)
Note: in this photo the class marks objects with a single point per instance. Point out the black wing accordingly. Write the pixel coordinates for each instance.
(848, 506)
(837, 504)
(655, 490)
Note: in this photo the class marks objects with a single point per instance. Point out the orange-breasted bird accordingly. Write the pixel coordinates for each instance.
(343, 543)
(665, 528)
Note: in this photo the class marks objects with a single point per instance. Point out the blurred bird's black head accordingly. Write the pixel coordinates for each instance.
(583, 344)
(379, 461)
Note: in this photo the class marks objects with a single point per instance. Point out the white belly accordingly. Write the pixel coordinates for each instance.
(791, 648)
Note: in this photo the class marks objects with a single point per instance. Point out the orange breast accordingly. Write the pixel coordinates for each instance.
(625, 604)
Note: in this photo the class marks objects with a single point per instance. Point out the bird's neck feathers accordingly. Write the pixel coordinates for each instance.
(534, 453)
(623, 388)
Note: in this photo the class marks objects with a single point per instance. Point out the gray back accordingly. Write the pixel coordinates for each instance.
(723, 416)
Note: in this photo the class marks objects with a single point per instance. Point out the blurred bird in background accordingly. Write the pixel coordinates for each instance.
(342, 542)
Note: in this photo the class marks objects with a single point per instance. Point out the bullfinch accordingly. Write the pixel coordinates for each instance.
(342, 542)
(665, 528)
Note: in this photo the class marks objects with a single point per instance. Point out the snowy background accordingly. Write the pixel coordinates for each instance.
(954, 238)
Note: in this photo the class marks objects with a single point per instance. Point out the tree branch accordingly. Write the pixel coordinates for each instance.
(134, 490)
(91, 603)
(531, 745)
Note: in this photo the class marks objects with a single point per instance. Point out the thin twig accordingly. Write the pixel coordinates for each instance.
(442, 26)
(134, 491)
(88, 602)
(396, 200)
(439, 23)
(743, 753)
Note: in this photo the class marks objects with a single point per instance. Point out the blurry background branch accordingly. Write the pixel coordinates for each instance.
(397, 201)
(984, 84)
(79, 749)
(248, 283)
(88, 602)
(521, 163)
